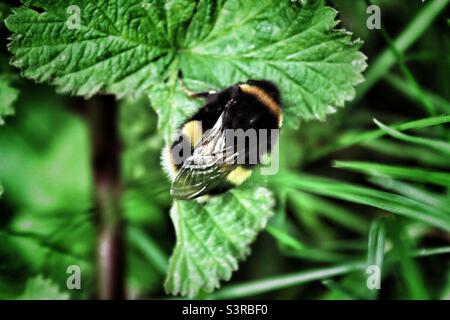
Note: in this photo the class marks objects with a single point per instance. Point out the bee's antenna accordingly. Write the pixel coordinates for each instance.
(191, 94)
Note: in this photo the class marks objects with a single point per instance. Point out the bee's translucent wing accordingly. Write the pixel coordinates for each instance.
(192, 183)
(208, 166)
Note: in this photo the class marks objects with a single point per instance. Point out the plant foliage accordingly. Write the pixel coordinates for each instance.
(350, 193)
(133, 47)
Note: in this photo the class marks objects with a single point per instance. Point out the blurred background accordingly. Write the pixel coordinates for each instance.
(348, 188)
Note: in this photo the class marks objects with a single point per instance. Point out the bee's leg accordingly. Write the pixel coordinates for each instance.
(191, 94)
(204, 94)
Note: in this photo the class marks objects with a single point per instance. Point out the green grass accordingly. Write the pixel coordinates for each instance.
(406, 173)
(269, 284)
(412, 32)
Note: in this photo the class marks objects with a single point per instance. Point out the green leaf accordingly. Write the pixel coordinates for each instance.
(45, 170)
(118, 48)
(294, 45)
(8, 96)
(59, 167)
(172, 106)
(40, 288)
(148, 47)
(212, 237)
(132, 47)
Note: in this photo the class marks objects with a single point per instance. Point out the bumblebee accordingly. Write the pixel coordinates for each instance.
(213, 151)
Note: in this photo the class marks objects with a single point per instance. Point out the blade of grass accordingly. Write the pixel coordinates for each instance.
(311, 254)
(440, 146)
(281, 207)
(445, 292)
(410, 272)
(279, 282)
(285, 239)
(409, 35)
(353, 138)
(154, 254)
(255, 287)
(410, 79)
(340, 290)
(336, 213)
(375, 250)
(408, 173)
(345, 245)
(42, 242)
(411, 191)
(309, 219)
(409, 152)
(426, 252)
(292, 247)
(422, 56)
(402, 86)
(371, 197)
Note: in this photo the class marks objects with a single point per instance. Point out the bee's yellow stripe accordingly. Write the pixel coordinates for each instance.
(239, 175)
(193, 131)
(262, 96)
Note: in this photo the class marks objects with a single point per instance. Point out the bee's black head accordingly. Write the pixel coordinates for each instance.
(270, 88)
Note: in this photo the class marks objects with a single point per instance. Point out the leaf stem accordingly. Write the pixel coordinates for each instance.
(103, 112)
